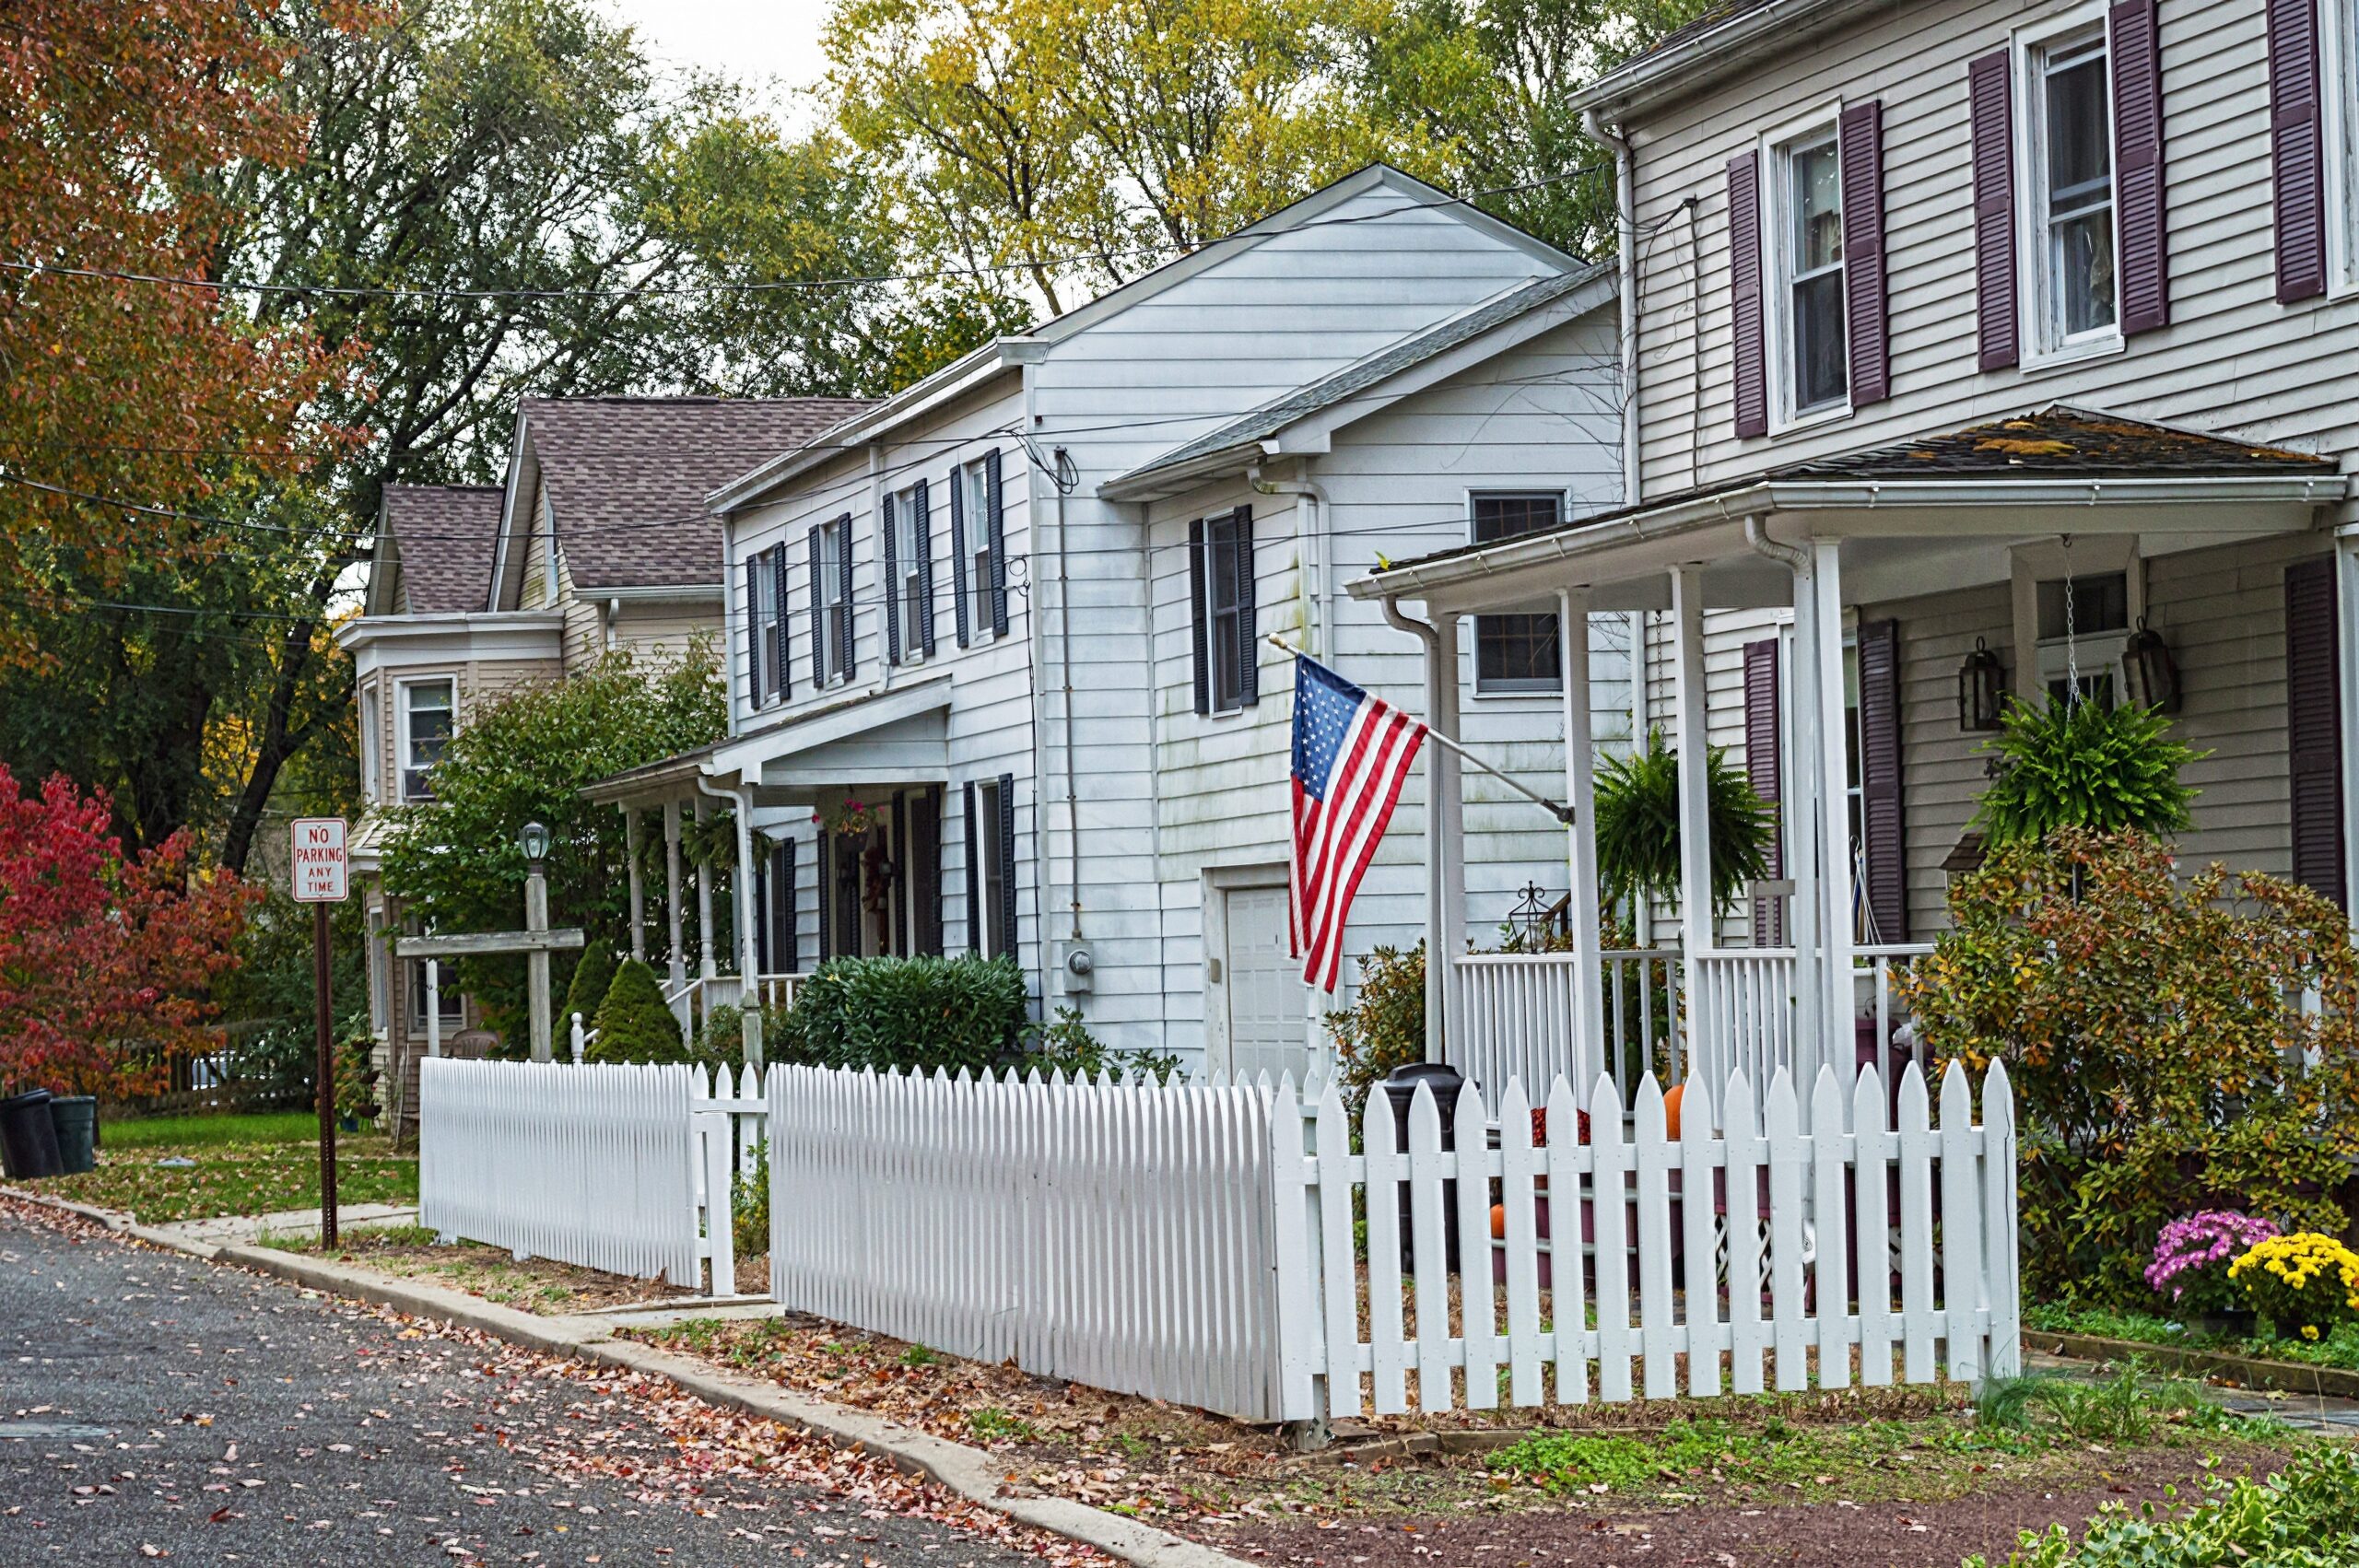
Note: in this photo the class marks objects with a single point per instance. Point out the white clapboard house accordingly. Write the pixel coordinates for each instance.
(999, 676)
(1978, 344)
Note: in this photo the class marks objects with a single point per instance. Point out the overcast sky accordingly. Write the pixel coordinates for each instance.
(772, 43)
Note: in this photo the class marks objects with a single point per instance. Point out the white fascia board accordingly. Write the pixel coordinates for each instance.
(1690, 65)
(655, 593)
(396, 642)
(514, 486)
(743, 754)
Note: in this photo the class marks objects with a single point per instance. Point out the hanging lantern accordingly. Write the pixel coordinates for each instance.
(2149, 671)
(1981, 689)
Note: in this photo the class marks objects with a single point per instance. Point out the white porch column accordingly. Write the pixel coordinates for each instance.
(748, 965)
(1449, 812)
(1580, 793)
(707, 964)
(1798, 815)
(638, 886)
(2346, 605)
(434, 1007)
(678, 967)
(1693, 735)
(1832, 803)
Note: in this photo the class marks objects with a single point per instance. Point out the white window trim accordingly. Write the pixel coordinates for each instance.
(2031, 564)
(1777, 235)
(2033, 303)
(1239, 708)
(372, 743)
(831, 598)
(2339, 88)
(401, 726)
(762, 616)
(986, 848)
(909, 546)
(1474, 688)
(977, 478)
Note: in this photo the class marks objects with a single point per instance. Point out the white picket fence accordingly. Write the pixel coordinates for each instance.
(1119, 1235)
(1789, 1258)
(611, 1167)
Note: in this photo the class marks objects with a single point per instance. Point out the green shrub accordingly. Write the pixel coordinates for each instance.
(2304, 1517)
(906, 1015)
(1068, 1047)
(634, 1022)
(1385, 1027)
(749, 1206)
(2147, 1024)
(592, 977)
(2083, 765)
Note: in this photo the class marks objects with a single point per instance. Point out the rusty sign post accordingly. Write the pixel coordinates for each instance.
(317, 856)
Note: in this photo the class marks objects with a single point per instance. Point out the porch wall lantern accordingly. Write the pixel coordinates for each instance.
(1981, 689)
(2149, 672)
(533, 840)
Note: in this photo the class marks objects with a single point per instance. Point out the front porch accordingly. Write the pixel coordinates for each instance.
(1854, 596)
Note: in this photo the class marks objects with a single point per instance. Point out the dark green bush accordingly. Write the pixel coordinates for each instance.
(634, 1022)
(594, 975)
(905, 1015)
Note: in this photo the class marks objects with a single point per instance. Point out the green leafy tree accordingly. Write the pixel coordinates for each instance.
(634, 1022)
(1638, 826)
(525, 758)
(2084, 765)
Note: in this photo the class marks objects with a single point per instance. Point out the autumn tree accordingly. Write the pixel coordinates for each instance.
(106, 959)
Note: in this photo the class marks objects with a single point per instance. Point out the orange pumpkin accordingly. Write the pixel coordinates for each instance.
(1499, 1222)
(1671, 1110)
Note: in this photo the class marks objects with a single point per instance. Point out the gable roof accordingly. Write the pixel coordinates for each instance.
(442, 538)
(1005, 353)
(626, 477)
(1243, 435)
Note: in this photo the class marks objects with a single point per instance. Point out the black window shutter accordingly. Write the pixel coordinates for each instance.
(998, 537)
(1867, 304)
(765, 885)
(753, 634)
(974, 876)
(1990, 82)
(2137, 60)
(2314, 727)
(818, 619)
(1006, 911)
(1197, 640)
(844, 588)
(2297, 149)
(1763, 754)
(958, 561)
(1750, 345)
(921, 504)
(1249, 666)
(823, 869)
(786, 945)
(892, 552)
(779, 577)
(922, 871)
(1885, 846)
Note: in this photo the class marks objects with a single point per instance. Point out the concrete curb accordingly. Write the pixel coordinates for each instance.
(969, 1472)
(114, 1219)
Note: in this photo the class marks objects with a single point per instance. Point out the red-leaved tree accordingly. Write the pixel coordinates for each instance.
(106, 961)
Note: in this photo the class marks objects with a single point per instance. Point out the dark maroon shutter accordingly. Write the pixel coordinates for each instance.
(2296, 149)
(2137, 57)
(786, 944)
(753, 634)
(844, 588)
(818, 621)
(823, 869)
(892, 552)
(924, 873)
(1763, 759)
(1869, 312)
(1198, 642)
(1750, 347)
(960, 564)
(921, 502)
(995, 520)
(1884, 843)
(1249, 643)
(1006, 911)
(974, 876)
(780, 579)
(1989, 82)
(2314, 727)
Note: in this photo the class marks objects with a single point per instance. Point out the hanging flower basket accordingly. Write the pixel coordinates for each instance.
(848, 818)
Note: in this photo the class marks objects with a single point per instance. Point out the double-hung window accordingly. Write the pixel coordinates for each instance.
(1518, 652)
(835, 601)
(907, 524)
(1806, 241)
(427, 708)
(762, 617)
(976, 477)
(1228, 629)
(373, 741)
(2069, 244)
(991, 882)
(2083, 629)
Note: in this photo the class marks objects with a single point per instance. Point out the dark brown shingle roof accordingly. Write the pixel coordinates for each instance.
(627, 478)
(443, 536)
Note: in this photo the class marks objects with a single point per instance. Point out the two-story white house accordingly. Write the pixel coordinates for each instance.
(999, 681)
(1978, 345)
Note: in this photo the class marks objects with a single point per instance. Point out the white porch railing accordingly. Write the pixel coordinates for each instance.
(694, 999)
(1732, 1010)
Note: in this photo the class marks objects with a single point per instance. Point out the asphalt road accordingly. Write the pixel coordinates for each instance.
(154, 1407)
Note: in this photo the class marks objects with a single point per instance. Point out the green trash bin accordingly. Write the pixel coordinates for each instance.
(75, 1118)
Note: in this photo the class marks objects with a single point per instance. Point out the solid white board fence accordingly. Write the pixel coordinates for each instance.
(1120, 1235)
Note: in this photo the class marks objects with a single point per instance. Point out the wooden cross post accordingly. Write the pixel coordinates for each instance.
(536, 942)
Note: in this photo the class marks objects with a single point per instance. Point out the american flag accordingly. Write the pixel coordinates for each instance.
(1351, 755)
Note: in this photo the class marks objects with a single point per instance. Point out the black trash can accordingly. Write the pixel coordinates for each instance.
(1401, 1090)
(27, 1141)
(75, 1118)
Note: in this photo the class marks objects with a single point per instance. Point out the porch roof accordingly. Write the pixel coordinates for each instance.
(899, 735)
(1903, 503)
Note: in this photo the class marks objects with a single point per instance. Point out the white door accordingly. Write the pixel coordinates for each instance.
(1267, 999)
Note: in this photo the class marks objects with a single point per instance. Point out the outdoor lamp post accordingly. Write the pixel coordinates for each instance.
(1982, 688)
(2149, 670)
(533, 840)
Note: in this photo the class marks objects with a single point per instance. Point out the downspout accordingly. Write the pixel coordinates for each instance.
(612, 608)
(1625, 216)
(1060, 459)
(1437, 880)
(1312, 543)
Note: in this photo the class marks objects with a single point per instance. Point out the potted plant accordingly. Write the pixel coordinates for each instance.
(2083, 765)
(2190, 1268)
(1638, 826)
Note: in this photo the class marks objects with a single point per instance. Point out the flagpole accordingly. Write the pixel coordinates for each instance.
(1561, 812)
